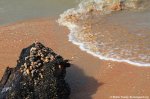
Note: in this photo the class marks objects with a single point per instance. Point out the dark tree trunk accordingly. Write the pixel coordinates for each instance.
(39, 74)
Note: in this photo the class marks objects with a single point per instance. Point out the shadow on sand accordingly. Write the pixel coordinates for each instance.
(82, 86)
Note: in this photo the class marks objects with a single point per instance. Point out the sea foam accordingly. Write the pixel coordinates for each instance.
(70, 19)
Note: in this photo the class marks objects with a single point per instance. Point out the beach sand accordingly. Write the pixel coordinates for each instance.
(89, 77)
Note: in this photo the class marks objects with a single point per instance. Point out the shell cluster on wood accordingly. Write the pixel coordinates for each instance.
(39, 74)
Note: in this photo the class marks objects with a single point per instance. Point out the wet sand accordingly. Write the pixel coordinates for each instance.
(89, 77)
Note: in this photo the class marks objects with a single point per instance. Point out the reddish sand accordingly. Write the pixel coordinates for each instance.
(89, 77)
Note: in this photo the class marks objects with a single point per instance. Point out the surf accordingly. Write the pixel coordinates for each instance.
(82, 20)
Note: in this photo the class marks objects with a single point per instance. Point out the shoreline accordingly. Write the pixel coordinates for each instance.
(87, 30)
(81, 46)
(89, 77)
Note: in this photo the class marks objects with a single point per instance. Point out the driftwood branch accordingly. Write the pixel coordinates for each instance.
(39, 74)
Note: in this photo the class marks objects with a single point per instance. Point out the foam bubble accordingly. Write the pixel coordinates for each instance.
(69, 18)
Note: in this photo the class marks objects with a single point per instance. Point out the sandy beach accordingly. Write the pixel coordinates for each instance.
(89, 77)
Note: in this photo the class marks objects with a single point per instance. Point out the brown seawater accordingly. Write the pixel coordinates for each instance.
(116, 30)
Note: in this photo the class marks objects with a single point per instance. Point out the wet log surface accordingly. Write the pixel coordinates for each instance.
(39, 74)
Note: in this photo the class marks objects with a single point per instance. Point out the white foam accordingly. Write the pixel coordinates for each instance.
(81, 45)
(74, 29)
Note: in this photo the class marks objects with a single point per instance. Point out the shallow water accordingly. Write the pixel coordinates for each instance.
(97, 26)
(102, 29)
(17, 10)
(124, 36)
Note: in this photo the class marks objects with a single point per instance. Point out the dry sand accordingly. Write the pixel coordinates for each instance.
(89, 77)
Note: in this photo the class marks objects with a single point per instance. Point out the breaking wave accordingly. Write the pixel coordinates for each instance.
(93, 34)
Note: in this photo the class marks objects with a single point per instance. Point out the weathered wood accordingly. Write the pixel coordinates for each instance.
(39, 74)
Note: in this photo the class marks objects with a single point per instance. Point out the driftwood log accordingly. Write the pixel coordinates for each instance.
(39, 74)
